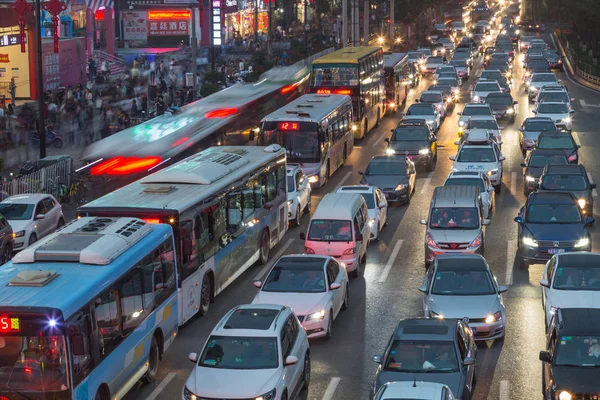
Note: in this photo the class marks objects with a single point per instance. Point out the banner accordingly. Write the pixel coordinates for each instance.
(69, 69)
(231, 6)
(135, 25)
(168, 28)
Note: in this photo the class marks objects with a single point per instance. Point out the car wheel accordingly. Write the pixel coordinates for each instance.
(522, 262)
(32, 239)
(61, 223)
(346, 298)
(329, 333)
(265, 248)
(306, 372)
(6, 253)
(296, 220)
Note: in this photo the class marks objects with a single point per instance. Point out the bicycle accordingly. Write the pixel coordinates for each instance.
(77, 189)
(57, 189)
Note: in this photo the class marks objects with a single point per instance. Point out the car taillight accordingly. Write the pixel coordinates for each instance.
(349, 252)
(476, 242)
(308, 250)
(573, 157)
(430, 242)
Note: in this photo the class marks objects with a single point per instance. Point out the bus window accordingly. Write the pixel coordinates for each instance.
(281, 181)
(132, 309)
(248, 201)
(271, 185)
(108, 321)
(234, 210)
(168, 263)
(81, 354)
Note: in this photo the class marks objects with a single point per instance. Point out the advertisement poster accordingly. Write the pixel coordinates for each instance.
(66, 70)
(168, 28)
(135, 25)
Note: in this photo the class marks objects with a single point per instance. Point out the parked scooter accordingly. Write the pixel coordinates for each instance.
(52, 137)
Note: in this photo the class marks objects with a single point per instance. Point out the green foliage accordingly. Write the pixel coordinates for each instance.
(409, 10)
(214, 77)
(208, 88)
(261, 62)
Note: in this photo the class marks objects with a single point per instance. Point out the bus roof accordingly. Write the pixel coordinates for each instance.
(68, 268)
(309, 108)
(188, 182)
(347, 55)
(390, 60)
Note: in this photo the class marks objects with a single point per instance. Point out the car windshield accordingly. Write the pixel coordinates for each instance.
(435, 60)
(454, 218)
(327, 230)
(560, 108)
(233, 352)
(573, 278)
(492, 76)
(476, 154)
(484, 124)
(486, 87)
(580, 351)
(543, 78)
(564, 182)
(35, 363)
(431, 98)
(420, 110)
(459, 63)
(504, 100)
(534, 64)
(472, 111)
(556, 142)
(410, 135)
(334, 75)
(553, 214)
(296, 278)
(541, 160)
(462, 282)
(386, 168)
(16, 211)
(415, 55)
(291, 184)
(447, 81)
(478, 182)
(420, 356)
(541, 126)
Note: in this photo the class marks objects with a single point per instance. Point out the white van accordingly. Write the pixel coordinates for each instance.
(340, 228)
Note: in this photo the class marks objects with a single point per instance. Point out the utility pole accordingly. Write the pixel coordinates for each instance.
(306, 22)
(344, 23)
(366, 10)
(40, 80)
(194, 51)
(392, 30)
(255, 21)
(269, 31)
(355, 15)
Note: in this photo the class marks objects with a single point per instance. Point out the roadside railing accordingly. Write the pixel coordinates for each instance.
(587, 72)
(40, 181)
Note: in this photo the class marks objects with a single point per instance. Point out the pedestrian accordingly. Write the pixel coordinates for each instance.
(134, 109)
(12, 88)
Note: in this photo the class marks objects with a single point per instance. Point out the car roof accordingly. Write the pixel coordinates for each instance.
(356, 189)
(454, 262)
(26, 198)
(579, 321)
(551, 198)
(252, 320)
(570, 169)
(302, 261)
(553, 102)
(449, 196)
(556, 133)
(412, 390)
(578, 259)
(434, 329)
(538, 119)
(431, 92)
(338, 206)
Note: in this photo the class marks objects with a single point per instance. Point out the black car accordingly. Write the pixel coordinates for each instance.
(554, 59)
(507, 47)
(570, 361)
(503, 67)
(394, 176)
(415, 141)
(559, 140)
(503, 105)
(448, 93)
(430, 349)
(534, 164)
(536, 64)
(569, 178)
(551, 223)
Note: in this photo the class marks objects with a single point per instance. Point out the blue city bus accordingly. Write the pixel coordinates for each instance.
(88, 311)
(228, 208)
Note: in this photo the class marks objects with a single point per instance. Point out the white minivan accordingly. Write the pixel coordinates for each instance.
(340, 228)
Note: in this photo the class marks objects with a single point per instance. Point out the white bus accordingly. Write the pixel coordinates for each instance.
(316, 132)
(228, 208)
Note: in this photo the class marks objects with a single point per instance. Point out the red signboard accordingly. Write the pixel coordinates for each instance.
(288, 126)
(9, 324)
(4, 58)
(66, 70)
(167, 28)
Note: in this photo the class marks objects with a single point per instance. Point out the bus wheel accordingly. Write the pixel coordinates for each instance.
(265, 248)
(153, 361)
(366, 129)
(205, 295)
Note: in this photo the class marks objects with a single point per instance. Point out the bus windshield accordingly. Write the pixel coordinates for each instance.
(334, 75)
(300, 142)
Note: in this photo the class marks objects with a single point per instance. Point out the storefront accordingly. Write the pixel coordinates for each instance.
(240, 23)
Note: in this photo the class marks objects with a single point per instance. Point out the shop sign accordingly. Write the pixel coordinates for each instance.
(11, 40)
(51, 71)
(231, 6)
(4, 58)
(216, 22)
(135, 25)
(167, 28)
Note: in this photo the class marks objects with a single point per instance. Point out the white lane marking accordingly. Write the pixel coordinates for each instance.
(426, 183)
(390, 262)
(516, 140)
(379, 139)
(583, 103)
(576, 137)
(273, 259)
(161, 386)
(341, 183)
(504, 390)
(330, 391)
(513, 183)
(594, 191)
(511, 246)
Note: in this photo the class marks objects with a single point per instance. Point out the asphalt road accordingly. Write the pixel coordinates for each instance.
(342, 367)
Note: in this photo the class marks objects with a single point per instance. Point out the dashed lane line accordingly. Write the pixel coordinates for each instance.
(273, 259)
(331, 388)
(504, 390)
(511, 246)
(161, 386)
(513, 184)
(582, 102)
(341, 182)
(379, 139)
(390, 262)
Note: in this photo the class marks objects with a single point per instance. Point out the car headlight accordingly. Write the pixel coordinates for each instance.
(430, 121)
(582, 203)
(567, 119)
(188, 395)
(530, 178)
(267, 396)
(372, 221)
(390, 151)
(455, 91)
(583, 242)
(527, 241)
(510, 111)
(564, 395)
(424, 151)
(461, 123)
(475, 98)
(313, 179)
(291, 202)
(433, 314)
(533, 89)
(553, 309)
(490, 319)
(492, 172)
(316, 315)
(411, 76)
(400, 187)
(517, 31)
(20, 234)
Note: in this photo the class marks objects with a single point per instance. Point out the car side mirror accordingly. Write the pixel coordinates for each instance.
(40, 216)
(302, 236)
(593, 185)
(523, 165)
(423, 222)
(578, 146)
(452, 158)
(423, 288)
(469, 361)
(335, 286)
(361, 173)
(572, 99)
(392, 130)
(383, 204)
(378, 358)
(193, 357)
(359, 237)
(502, 158)
(486, 222)
(502, 289)
(534, 111)
(544, 282)
(519, 220)
(457, 142)
(387, 140)
(571, 111)
(515, 102)
(290, 360)
(545, 356)
(257, 284)
(459, 113)
(589, 220)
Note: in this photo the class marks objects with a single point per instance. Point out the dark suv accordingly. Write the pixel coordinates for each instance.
(503, 105)
(415, 141)
(570, 361)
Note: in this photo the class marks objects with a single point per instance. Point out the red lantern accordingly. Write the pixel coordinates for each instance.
(21, 7)
(54, 7)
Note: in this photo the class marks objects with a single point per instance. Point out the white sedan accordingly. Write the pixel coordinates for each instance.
(299, 193)
(32, 216)
(316, 287)
(571, 280)
(376, 204)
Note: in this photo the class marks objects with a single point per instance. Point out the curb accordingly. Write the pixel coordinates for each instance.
(570, 71)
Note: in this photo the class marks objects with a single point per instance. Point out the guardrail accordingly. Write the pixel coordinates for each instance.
(44, 180)
(573, 63)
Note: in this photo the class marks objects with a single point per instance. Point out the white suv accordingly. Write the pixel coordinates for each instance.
(299, 193)
(255, 351)
(481, 157)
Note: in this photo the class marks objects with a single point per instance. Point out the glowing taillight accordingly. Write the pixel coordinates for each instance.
(289, 88)
(343, 91)
(349, 252)
(221, 113)
(152, 220)
(106, 165)
(180, 142)
(124, 166)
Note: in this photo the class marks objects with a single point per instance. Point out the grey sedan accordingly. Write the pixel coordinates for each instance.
(462, 286)
(395, 176)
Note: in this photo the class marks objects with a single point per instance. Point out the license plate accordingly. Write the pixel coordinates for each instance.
(555, 251)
